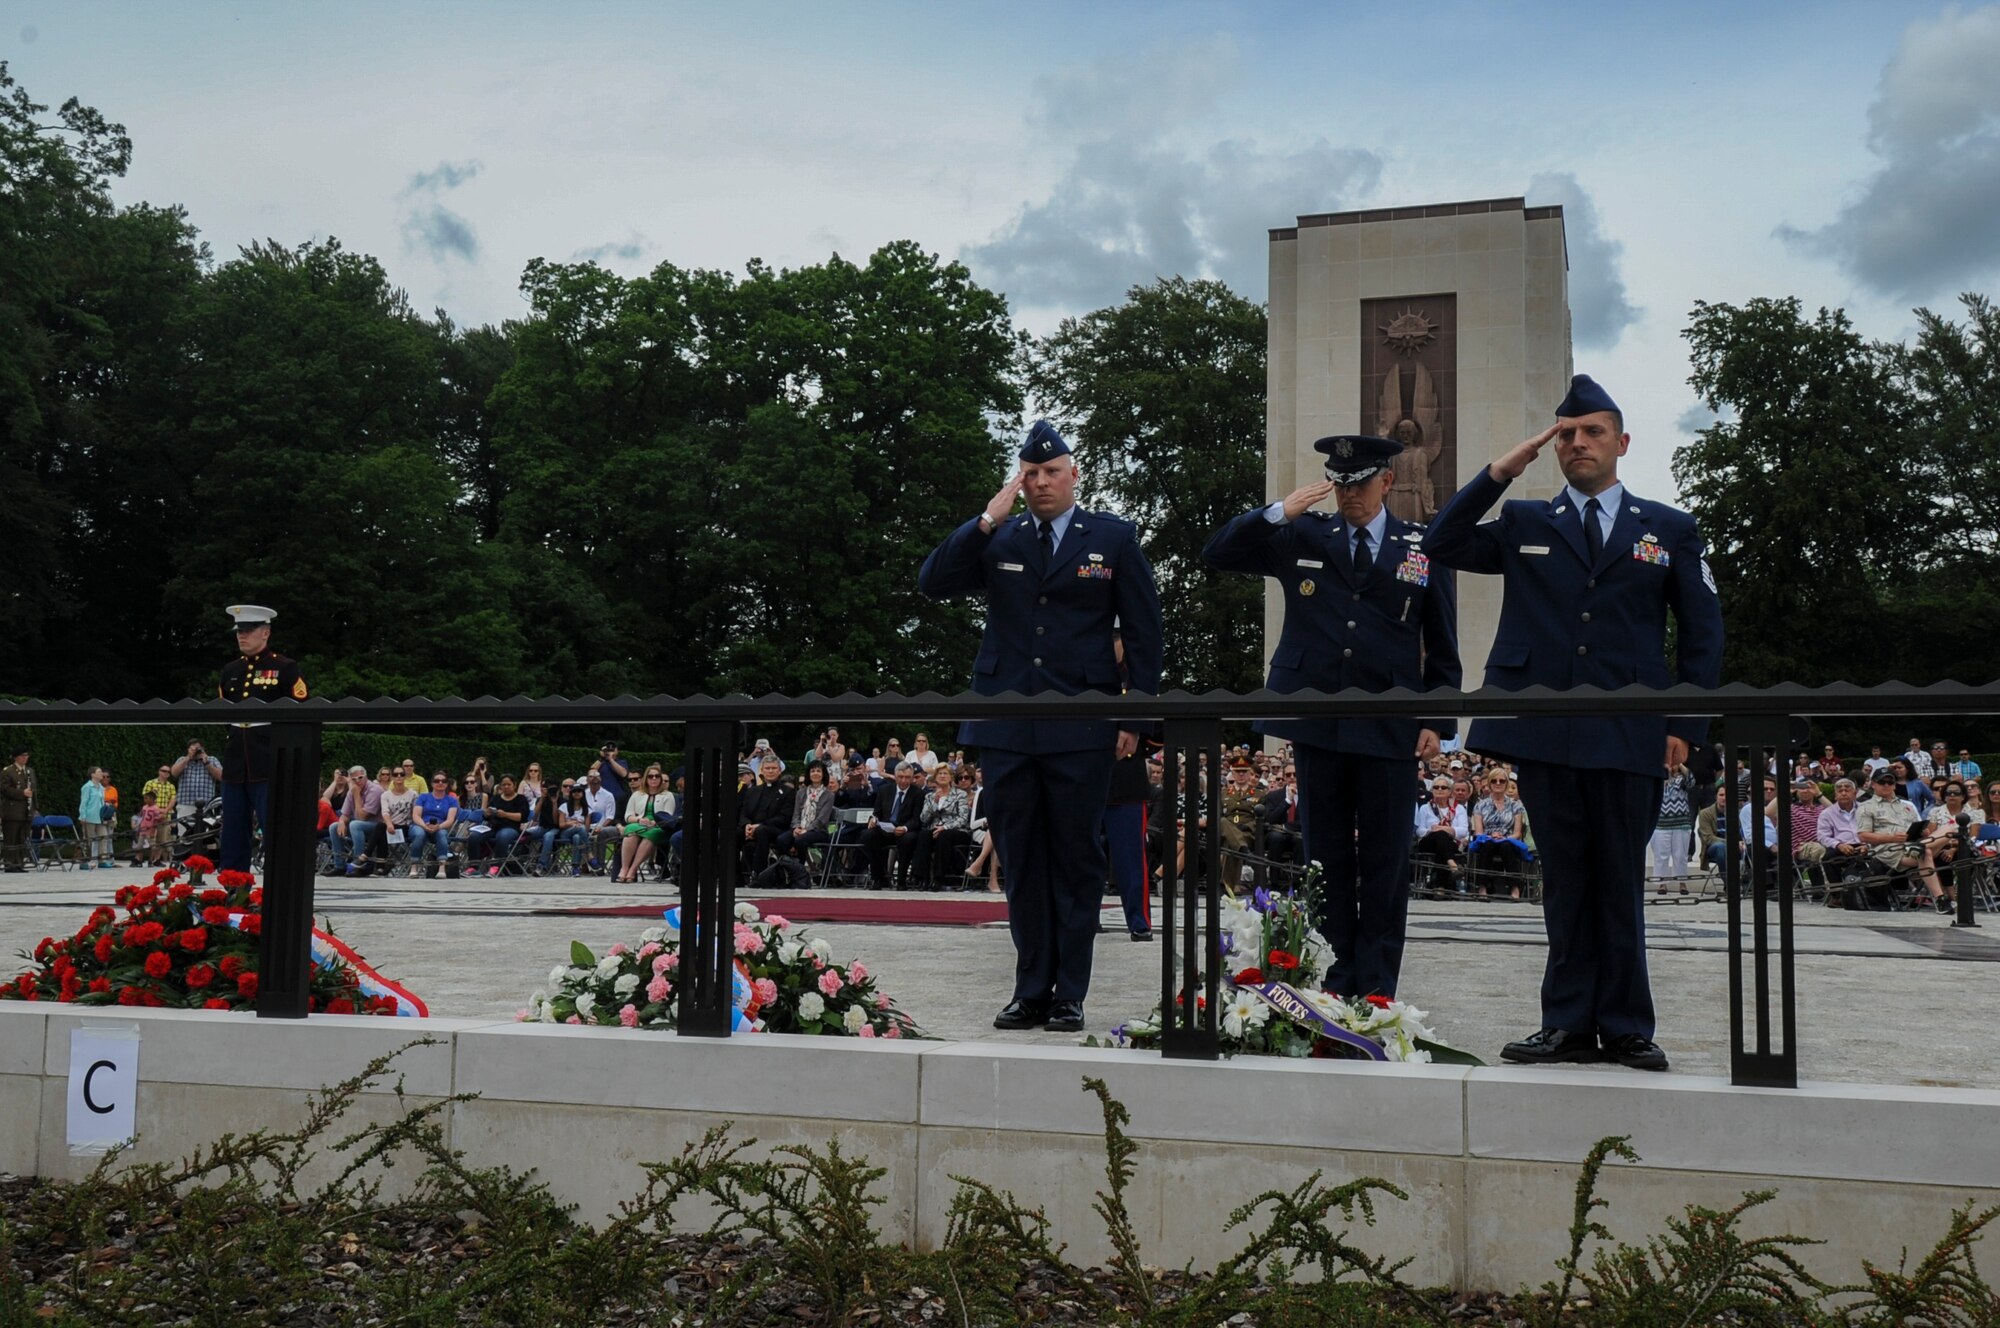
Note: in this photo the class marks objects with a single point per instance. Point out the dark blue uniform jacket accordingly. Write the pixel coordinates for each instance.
(1048, 625)
(1395, 627)
(1566, 623)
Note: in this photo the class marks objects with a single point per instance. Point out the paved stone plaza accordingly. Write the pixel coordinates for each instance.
(1883, 998)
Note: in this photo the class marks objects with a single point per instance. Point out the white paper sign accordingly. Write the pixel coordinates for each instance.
(103, 1087)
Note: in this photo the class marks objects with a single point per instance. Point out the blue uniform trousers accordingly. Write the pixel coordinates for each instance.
(1357, 815)
(1046, 813)
(1125, 845)
(239, 802)
(1591, 828)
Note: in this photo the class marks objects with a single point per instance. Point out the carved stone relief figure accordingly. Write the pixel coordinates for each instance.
(1412, 496)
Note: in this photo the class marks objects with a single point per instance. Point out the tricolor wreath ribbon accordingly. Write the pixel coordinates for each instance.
(330, 952)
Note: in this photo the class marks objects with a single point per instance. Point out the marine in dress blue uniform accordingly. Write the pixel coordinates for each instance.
(261, 672)
(1054, 578)
(1366, 609)
(1589, 578)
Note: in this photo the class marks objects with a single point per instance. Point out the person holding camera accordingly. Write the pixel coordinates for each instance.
(196, 776)
(613, 774)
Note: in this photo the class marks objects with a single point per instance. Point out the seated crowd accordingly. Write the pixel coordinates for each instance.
(1861, 831)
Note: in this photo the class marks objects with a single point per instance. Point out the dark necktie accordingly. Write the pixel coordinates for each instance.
(1048, 541)
(1593, 533)
(896, 807)
(1364, 562)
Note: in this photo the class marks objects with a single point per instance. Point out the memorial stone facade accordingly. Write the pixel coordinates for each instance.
(1445, 326)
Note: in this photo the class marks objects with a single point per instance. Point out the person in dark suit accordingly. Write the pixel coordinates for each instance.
(1365, 610)
(1281, 817)
(1055, 581)
(763, 812)
(893, 832)
(1589, 577)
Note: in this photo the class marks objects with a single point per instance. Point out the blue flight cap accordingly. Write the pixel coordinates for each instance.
(1354, 457)
(1044, 444)
(1585, 398)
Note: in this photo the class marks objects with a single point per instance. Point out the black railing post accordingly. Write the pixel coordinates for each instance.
(708, 880)
(1188, 1017)
(1751, 738)
(284, 946)
(1966, 868)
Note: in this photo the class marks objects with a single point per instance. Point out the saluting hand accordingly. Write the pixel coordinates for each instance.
(1301, 500)
(1517, 460)
(1002, 505)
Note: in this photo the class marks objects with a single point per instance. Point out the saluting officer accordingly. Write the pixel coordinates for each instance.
(261, 672)
(1055, 581)
(1589, 578)
(1365, 610)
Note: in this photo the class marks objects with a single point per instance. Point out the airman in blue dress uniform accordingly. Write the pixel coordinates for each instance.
(1589, 578)
(1055, 579)
(1366, 609)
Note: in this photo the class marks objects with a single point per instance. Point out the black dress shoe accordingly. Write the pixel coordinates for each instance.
(1635, 1052)
(1142, 935)
(1551, 1046)
(1065, 1017)
(1022, 1014)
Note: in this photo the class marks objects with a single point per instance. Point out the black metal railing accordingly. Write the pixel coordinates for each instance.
(1756, 723)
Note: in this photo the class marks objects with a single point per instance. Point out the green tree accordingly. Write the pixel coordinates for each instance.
(315, 394)
(1949, 596)
(749, 471)
(91, 303)
(1809, 490)
(1165, 396)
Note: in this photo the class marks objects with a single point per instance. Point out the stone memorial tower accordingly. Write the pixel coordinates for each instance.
(1444, 326)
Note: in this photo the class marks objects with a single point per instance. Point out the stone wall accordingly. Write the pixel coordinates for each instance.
(1506, 267)
(1488, 1156)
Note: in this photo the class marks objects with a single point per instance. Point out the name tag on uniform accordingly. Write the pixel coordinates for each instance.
(1311, 562)
(1012, 567)
(1415, 569)
(1652, 553)
(1541, 549)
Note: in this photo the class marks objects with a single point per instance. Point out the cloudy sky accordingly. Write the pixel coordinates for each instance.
(1846, 153)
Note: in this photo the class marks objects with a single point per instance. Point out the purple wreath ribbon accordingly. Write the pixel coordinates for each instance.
(1286, 1000)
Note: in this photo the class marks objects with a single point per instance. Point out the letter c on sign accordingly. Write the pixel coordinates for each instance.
(88, 1101)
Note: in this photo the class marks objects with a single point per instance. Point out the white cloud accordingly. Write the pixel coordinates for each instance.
(1143, 197)
(1598, 308)
(1695, 418)
(1923, 224)
(448, 175)
(428, 226)
(1162, 87)
(629, 250)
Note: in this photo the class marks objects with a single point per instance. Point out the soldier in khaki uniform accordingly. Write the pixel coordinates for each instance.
(1240, 802)
(17, 790)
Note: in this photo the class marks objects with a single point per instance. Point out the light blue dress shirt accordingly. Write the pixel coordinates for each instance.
(1607, 503)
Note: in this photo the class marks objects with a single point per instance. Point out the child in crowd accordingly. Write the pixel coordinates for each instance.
(149, 837)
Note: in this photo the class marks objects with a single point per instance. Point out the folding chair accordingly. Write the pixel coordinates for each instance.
(56, 836)
(848, 824)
